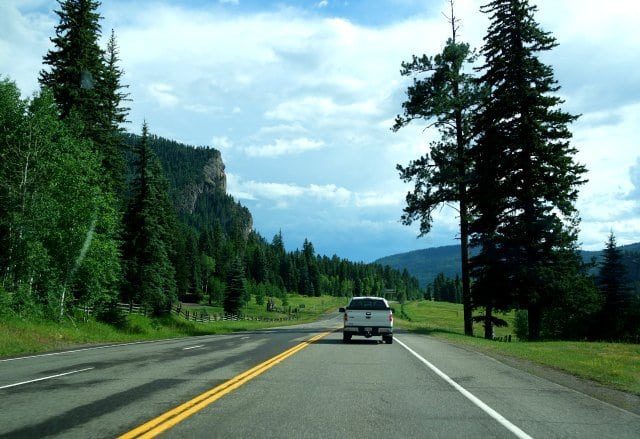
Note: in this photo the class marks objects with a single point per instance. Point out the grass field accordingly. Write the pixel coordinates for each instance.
(20, 336)
(428, 316)
(613, 364)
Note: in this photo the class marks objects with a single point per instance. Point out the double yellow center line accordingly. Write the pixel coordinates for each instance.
(178, 414)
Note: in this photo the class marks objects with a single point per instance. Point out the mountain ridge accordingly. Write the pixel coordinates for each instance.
(425, 264)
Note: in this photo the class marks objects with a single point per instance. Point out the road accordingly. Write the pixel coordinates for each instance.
(417, 387)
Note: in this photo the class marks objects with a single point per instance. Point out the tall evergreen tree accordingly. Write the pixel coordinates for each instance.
(115, 116)
(613, 284)
(87, 81)
(150, 275)
(76, 62)
(235, 289)
(444, 93)
(525, 179)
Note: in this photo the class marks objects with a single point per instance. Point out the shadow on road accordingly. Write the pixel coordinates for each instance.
(288, 331)
(362, 341)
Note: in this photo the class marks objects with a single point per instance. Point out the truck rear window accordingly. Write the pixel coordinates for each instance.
(364, 304)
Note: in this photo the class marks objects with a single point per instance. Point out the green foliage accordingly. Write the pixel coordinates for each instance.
(260, 294)
(5, 303)
(109, 313)
(61, 235)
(216, 292)
(445, 289)
(444, 94)
(521, 324)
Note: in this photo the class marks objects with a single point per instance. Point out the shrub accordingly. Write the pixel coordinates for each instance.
(5, 303)
(521, 324)
(111, 314)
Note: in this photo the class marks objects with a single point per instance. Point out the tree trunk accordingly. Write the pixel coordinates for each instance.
(464, 258)
(464, 225)
(62, 297)
(488, 322)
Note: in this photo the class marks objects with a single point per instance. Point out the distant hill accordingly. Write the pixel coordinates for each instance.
(425, 264)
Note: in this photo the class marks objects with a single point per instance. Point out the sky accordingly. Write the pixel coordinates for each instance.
(300, 96)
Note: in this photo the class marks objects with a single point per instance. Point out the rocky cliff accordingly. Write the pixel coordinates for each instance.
(198, 185)
(213, 180)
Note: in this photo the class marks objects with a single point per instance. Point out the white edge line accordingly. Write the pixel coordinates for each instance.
(470, 396)
(192, 347)
(46, 378)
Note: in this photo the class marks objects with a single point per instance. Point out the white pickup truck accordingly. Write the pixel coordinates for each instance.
(368, 316)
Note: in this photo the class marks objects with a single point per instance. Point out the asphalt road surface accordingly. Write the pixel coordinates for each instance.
(275, 383)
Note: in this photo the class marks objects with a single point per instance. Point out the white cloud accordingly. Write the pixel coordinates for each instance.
(199, 108)
(322, 4)
(284, 146)
(374, 199)
(286, 192)
(314, 107)
(163, 94)
(222, 143)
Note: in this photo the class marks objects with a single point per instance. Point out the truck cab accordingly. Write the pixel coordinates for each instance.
(368, 317)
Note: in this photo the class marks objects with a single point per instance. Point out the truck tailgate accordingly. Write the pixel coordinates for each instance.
(373, 318)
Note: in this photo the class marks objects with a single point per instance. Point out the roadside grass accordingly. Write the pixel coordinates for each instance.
(615, 365)
(21, 336)
(443, 317)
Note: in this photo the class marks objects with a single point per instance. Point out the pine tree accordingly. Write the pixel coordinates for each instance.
(77, 70)
(150, 275)
(114, 98)
(235, 289)
(86, 81)
(613, 284)
(447, 96)
(525, 179)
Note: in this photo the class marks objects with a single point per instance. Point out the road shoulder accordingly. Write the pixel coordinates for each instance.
(625, 400)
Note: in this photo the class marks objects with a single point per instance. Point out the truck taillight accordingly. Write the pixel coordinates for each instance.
(346, 317)
(390, 318)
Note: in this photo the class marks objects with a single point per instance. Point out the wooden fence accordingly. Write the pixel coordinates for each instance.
(204, 317)
(192, 316)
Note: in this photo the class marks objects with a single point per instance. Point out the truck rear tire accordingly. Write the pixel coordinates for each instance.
(346, 338)
(388, 339)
